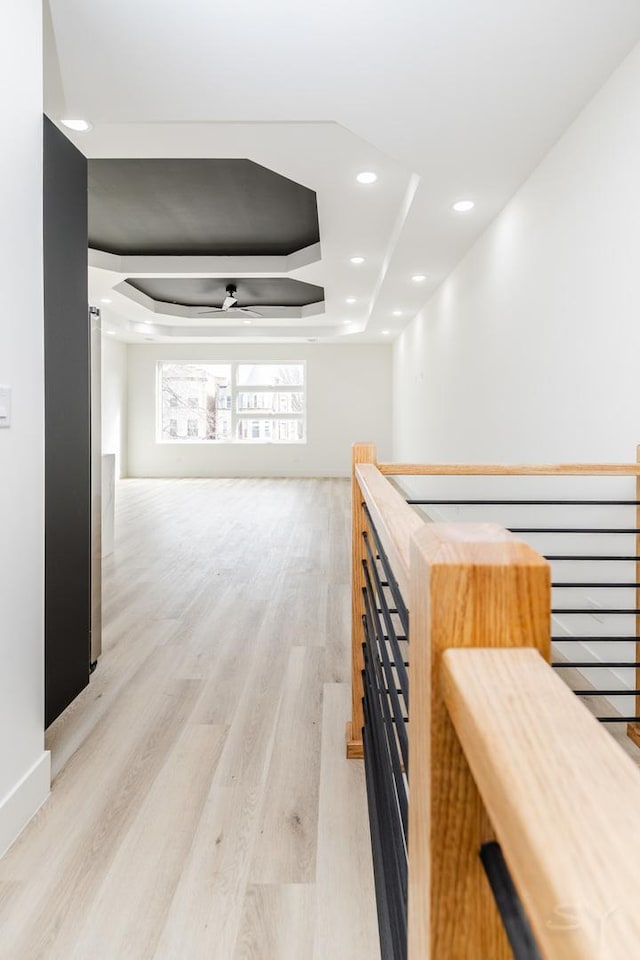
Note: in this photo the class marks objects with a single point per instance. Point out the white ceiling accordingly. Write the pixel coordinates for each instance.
(442, 98)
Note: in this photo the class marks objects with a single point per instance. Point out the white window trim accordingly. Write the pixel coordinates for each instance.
(244, 414)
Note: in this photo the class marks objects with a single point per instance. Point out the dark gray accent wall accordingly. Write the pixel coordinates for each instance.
(67, 424)
(198, 206)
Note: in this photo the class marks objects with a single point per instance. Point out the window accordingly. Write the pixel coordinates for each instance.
(269, 402)
(270, 375)
(195, 401)
(280, 402)
(232, 403)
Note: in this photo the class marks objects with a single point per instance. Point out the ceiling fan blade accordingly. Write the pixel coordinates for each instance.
(231, 310)
(229, 302)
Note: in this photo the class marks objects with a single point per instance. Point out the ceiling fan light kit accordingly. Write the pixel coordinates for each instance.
(231, 299)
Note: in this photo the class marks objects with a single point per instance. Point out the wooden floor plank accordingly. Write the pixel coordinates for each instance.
(82, 832)
(285, 850)
(277, 921)
(160, 837)
(346, 925)
(201, 806)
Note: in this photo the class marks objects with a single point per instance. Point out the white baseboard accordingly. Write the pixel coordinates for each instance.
(24, 801)
(288, 474)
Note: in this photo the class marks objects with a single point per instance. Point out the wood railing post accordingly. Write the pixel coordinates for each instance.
(361, 453)
(471, 585)
(633, 729)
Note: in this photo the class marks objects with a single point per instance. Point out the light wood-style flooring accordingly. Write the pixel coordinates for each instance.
(201, 805)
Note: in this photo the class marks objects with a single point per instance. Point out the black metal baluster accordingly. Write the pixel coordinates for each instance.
(514, 919)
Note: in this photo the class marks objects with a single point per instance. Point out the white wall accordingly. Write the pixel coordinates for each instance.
(530, 348)
(348, 399)
(530, 351)
(24, 765)
(114, 402)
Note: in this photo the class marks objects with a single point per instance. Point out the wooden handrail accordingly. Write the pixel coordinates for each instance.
(509, 469)
(498, 744)
(633, 729)
(562, 796)
(395, 522)
(393, 518)
(361, 453)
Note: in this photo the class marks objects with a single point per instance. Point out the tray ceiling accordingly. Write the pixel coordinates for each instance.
(188, 207)
(210, 291)
(443, 100)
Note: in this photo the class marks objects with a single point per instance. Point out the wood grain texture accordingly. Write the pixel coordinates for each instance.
(361, 453)
(285, 849)
(277, 921)
(344, 847)
(185, 815)
(393, 518)
(562, 796)
(471, 585)
(633, 729)
(161, 836)
(510, 469)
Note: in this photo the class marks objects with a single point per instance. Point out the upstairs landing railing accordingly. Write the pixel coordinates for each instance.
(502, 813)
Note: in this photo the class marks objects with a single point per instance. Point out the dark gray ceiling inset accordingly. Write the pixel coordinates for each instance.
(210, 291)
(198, 207)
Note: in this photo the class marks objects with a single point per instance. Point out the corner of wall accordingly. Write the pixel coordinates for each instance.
(124, 444)
(24, 765)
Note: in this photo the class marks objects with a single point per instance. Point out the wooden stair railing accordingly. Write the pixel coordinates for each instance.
(361, 453)
(493, 734)
(396, 516)
(562, 796)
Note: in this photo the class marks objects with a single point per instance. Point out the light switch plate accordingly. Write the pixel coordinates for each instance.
(5, 406)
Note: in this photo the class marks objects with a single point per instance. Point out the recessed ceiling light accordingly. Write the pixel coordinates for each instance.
(148, 321)
(105, 300)
(419, 277)
(367, 176)
(348, 322)
(357, 260)
(463, 206)
(247, 322)
(397, 313)
(385, 333)
(351, 300)
(80, 126)
(111, 333)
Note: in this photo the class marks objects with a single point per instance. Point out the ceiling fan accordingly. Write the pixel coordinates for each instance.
(229, 305)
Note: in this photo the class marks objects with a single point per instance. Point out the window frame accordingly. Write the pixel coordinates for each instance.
(237, 416)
